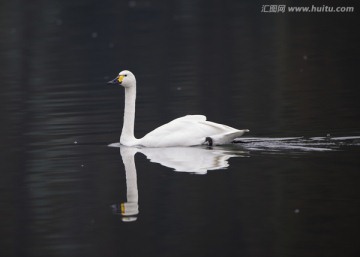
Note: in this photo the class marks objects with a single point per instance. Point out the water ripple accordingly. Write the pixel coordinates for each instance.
(311, 144)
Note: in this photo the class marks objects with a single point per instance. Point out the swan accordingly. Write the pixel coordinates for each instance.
(190, 130)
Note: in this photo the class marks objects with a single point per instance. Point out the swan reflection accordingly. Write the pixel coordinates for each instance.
(196, 160)
(130, 208)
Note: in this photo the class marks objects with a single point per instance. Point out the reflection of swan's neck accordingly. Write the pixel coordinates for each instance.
(127, 134)
(131, 178)
(131, 206)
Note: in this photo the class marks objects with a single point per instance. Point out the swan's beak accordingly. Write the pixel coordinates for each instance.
(117, 80)
(114, 81)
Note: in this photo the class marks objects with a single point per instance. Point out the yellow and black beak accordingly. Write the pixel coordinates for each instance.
(118, 80)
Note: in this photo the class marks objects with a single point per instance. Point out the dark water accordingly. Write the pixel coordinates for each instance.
(290, 188)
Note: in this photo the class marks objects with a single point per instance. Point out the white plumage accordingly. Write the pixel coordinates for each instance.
(189, 130)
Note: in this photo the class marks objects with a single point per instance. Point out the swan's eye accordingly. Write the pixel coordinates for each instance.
(125, 75)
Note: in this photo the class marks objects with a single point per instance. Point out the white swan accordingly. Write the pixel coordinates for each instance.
(189, 130)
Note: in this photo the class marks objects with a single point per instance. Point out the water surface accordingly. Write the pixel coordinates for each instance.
(289, 188)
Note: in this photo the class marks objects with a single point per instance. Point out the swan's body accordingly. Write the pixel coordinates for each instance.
(189, 130)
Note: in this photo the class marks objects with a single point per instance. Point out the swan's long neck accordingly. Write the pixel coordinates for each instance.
(127, 135)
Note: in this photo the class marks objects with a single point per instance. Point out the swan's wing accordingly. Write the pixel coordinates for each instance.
(191, 117)
(220, 127)
(184, 131)
(188, 131)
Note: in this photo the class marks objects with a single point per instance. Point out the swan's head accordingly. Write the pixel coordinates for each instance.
(125, 79)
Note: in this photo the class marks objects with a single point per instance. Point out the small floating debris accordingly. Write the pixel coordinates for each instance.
(94, 35)
(75, 142)
(296, 211)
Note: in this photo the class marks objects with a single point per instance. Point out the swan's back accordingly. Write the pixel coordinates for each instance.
(188, 131)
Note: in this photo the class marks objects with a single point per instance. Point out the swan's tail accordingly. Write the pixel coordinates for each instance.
(227, 138)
